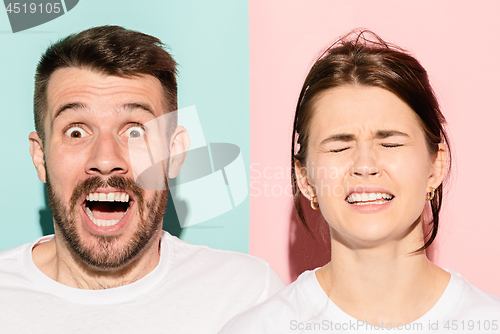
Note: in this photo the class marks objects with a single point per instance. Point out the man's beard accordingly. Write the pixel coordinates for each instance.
(104, 253)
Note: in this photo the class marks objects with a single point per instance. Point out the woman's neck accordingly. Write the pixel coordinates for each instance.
(386, 283)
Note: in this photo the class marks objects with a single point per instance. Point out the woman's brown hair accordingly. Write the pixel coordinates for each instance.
(362, 58)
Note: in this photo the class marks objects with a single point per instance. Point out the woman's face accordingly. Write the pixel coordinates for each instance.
(368, 164)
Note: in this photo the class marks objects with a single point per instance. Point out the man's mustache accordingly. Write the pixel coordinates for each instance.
(117, 182)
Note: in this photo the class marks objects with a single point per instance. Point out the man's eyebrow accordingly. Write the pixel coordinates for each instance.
(381, 134)
(343, 137)
(128, 106)
(136, 105)
(67, 106)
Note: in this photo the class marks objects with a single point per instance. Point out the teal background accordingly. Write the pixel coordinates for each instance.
(209, 39)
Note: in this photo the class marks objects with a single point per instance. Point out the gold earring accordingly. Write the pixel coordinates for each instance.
(430, 195)
(312, 199)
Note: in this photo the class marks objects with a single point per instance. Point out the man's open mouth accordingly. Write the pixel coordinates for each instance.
(106, 209)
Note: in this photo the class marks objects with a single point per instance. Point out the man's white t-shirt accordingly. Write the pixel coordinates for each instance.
(194, 289)
(304, 307)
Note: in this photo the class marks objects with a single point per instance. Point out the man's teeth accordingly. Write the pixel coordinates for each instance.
(109, 197)
(102, 222)
(105, 197)
(369, 198)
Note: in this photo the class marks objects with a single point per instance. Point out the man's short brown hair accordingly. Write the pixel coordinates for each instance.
(110, 50)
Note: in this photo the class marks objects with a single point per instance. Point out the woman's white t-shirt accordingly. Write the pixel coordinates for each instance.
(304, 307)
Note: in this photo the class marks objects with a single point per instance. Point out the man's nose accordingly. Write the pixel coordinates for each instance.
(107, 156)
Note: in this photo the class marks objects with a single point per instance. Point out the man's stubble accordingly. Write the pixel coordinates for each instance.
(104, 253)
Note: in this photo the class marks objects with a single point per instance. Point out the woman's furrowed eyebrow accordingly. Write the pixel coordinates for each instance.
(381, 134)
(342, 137)
(346, 137)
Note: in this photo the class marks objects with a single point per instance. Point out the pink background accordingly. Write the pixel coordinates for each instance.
(459, 45)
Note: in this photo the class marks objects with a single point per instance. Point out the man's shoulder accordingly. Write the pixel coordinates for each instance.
(12, 258)
(276, 314)
(216, 258)
(13, 272)
(16, 264)
(235, 280)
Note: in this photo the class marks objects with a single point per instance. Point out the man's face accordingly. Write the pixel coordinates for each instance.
(105, 219)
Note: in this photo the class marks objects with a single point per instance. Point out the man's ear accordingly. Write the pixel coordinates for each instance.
(438, 167)
(179, 145)
(306, 188)
(36, 151)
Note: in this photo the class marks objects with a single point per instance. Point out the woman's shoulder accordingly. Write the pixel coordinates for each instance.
(469, 302)
(294, 302)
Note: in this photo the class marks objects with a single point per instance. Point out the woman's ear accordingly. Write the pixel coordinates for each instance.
(438, 171)
(306, 188)
(36, 151)
(179, 145)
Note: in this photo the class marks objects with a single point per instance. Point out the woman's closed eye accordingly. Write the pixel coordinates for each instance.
(391, 145)
(338, 150)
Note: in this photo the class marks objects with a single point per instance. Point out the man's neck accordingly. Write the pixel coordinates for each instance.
(57, 262)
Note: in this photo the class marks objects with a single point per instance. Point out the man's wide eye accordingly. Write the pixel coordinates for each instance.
(135, 132)
(75, 132)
